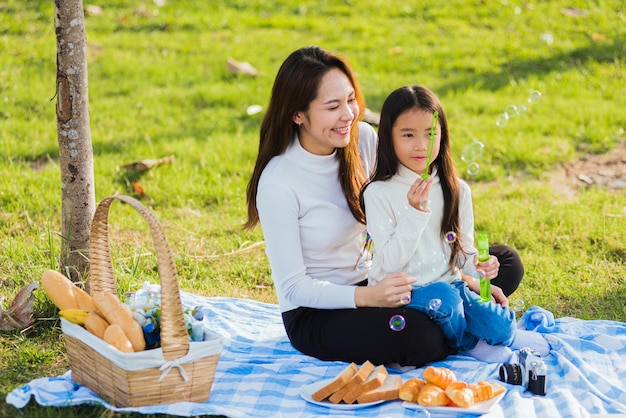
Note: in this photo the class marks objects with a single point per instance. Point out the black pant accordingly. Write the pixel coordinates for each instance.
(357, 335)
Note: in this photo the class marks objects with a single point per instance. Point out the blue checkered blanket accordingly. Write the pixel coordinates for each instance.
(260, 374)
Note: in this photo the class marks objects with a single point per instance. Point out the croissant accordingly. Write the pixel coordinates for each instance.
(432, 395)
(460, 394)
(411, 389)
(482, 391)
(439, 376)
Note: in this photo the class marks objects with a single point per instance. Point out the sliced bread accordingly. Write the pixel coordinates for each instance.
(364, 371)
(337, 383)
(374, 381)
(388, 391)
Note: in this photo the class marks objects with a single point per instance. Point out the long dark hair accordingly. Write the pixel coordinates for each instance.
(296, 86)
(398, 102)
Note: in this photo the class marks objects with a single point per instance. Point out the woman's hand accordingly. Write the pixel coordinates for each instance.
(393, 291)
(419, 193)
(491, 267)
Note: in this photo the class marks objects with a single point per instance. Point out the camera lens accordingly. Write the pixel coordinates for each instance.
(511, 373)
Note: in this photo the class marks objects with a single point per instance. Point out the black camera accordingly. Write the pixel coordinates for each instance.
(530, 371)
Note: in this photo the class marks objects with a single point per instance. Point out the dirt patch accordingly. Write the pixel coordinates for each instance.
(604, 170)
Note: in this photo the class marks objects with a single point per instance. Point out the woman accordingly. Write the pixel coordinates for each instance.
(313, 158)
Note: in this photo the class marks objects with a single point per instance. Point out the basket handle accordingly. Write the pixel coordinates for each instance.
(174, 336)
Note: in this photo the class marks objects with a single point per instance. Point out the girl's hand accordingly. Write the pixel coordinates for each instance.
(490, 267)
(419, 193)
(498, 296)
(392, 292)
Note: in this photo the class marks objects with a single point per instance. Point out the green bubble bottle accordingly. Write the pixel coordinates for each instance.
(483, 255)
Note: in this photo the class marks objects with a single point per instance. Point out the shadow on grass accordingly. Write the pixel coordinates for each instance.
(519, 69)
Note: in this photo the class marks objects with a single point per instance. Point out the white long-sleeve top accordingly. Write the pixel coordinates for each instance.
(408, 240)
(311, 238)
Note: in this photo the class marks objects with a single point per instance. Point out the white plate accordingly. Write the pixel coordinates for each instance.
(478, 408)
(307, 391)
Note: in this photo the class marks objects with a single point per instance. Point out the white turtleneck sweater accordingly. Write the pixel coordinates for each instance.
(311, 238)
(408, 240)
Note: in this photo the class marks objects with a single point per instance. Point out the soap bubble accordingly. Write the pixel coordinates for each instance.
(254, 109)
(521, 109)
(473, 151)
(511, 111)
(434, 304)
(397, 323)
(472, 168)
(502, 120)
(450, 237)
(518, 306)
(534, 96)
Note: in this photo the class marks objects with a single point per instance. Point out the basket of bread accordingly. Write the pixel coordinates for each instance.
(105, 344)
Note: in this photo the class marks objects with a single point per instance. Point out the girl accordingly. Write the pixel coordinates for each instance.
(420, 218)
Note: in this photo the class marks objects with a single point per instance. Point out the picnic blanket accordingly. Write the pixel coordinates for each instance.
(260, 374)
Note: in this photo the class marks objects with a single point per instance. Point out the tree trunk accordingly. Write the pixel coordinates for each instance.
(74, 137)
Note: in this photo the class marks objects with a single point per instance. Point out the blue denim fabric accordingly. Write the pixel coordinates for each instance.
(463, 318)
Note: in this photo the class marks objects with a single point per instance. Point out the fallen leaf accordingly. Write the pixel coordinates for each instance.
(20, 314)
(145, 165)
(236, 67)
(138, 188)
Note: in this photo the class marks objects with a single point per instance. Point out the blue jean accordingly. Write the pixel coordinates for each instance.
(463, 318)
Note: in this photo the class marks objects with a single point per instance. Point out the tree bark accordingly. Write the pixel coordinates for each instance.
(74, 138)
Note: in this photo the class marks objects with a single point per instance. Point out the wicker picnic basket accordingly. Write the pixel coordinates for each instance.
(178, 371)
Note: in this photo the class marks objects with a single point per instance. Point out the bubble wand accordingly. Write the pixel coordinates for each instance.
(431, 140)
(483, 255)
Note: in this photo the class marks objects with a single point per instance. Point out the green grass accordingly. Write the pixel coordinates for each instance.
(158, 86)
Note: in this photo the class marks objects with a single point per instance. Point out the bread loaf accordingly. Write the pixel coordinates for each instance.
(115, 312)
(84, 300)
(95, 324)
(115, 336)
(59, 289)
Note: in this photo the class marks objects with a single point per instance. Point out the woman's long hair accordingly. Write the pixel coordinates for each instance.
(296, 86)
(421, 98)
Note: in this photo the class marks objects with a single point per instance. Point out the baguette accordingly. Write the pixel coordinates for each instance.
(337, 383)
(366, 369)
(388, 391)
(95, 324)
(117, 338)
(115, 312)
(84, 300)
(59, 289)
(374, 381)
